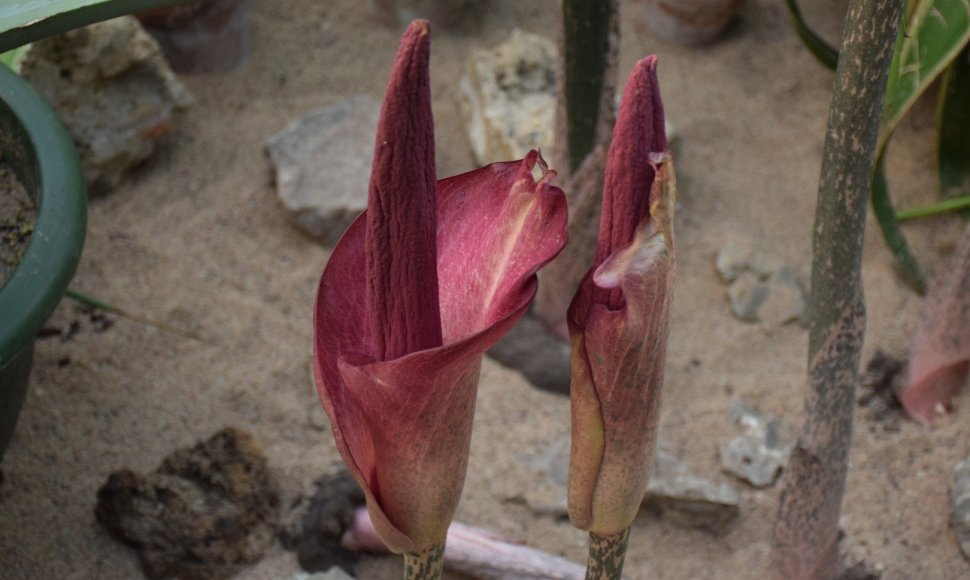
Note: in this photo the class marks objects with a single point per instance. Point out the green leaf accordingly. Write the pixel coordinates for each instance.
(12, 58)
(586, 31)
(954, 129)
(954, 204)
(823, 51)
(25, 21)
(934, 33)
(882, 207)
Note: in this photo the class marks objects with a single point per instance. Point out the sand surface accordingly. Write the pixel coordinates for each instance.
(197, 239)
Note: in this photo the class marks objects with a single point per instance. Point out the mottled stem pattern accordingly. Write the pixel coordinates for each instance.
(606, 555)
(427, 564)
(805, 539)
(589, 43)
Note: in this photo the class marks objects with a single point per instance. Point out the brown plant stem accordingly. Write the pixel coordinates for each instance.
(805, 536)
(606, 555)
(589, 40)
(427, 564)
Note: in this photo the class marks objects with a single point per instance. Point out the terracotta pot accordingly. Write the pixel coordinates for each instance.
(690, 21)
(202, 37)
(40, 152)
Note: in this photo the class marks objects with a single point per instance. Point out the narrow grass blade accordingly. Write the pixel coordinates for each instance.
(886, 216)
(954, 129)
(823, 51)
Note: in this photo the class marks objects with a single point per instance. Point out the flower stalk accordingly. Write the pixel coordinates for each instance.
(805, 537)
(417, 289)
(618, 323)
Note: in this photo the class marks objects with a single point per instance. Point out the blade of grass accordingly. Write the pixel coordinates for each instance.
(823, 51)
(93, 302)
(955, 204)
(12, 58)
(882, 206)
(953, 121)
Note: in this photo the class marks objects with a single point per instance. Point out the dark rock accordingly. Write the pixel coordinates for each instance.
(204, 513)
(879, 388)
(859, 571)
(543, 359)
(316, 523)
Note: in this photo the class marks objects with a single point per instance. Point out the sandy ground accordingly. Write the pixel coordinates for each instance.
(196, 238)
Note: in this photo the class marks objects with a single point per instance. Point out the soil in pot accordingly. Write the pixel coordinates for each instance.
(17, 216)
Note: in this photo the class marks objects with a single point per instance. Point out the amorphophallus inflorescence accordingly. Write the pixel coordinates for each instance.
(618, 324)
(418, 288)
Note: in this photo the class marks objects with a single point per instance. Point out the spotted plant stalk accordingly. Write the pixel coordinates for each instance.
(427, 279)
(805, 537)
(618, 324)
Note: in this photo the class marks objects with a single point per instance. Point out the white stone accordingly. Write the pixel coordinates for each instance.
(508, 97)
(323, 163)
(111, 86)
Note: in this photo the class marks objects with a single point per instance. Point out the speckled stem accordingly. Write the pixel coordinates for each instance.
(606, 555)
(805, 540)
(426, 564)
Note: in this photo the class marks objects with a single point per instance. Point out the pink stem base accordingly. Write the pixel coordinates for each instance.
(475, 553)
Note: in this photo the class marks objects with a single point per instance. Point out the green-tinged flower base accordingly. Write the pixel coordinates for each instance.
(425, 565)
(606, 555)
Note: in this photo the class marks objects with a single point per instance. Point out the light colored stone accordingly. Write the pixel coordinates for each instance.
(762, 288)
(694, 502)
(508, 97)
(761, 451)
(335, 573)
(747, 295)
(786, 299)
(323, 162)
(687, 500)
(112, 88)
(960, 505)
(682, 498)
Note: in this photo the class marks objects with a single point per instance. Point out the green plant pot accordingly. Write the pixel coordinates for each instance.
(40, 152)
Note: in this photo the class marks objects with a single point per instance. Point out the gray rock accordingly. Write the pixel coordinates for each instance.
(542, 358)
(681, 498)
(694, 502)
(761, 288)
(687, 500)
(960, 505)
(323, 162)
(759, 454)
(112, 88)
(508, 97)
(335, 573)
